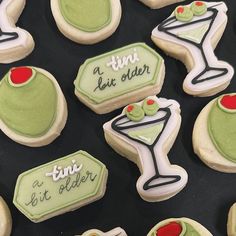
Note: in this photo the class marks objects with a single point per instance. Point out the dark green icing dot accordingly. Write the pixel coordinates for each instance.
(183, 13)
(150, 107)
(198, 8)
(134, 112)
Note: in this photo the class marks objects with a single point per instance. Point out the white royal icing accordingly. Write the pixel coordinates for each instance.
(117, 63)
(145, 157)
(60, 173)
(220, 20)
(7, 25)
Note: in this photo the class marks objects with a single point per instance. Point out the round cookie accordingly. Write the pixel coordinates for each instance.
(179, 227)
(231, 223)
(214, 134)
(33, 110)
(5, 219)
(87, 21)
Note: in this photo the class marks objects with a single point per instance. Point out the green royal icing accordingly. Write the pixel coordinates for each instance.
(45, 196)
(196, 35)
(185, 16)
(28, 110)
(100, 82)
(198, 10)
(136, 114)
(147, 135)
(86, 15)
(150, 109)
(222, 131)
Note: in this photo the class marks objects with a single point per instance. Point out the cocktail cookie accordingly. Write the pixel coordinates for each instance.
(15, 43)
(115, 232)
(155, 4)
(60, 186)
(191, 34)
(5, 219)
(33, 109)
(87, 21)
(214, 134)
(179, 227)
(144, 133)
(117, 78)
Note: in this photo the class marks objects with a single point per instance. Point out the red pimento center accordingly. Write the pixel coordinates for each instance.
(180, 10)
(172, 229)
(130, 108)
(150, 102)
(20, 75)
(228, 102)
(198, 4)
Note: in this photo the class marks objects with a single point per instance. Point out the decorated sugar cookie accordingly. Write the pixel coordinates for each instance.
(191, 34)
(87, 21)
(155, 4)
(231, 224)
(214, 134)
(33, 109)
(5, 219)
(60, 186)
(179, 227)
(117, 78)
(144, 133)
(115, 232)
(15, 43)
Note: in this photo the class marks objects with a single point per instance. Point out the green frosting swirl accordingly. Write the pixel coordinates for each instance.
(183, 13)
(199, 8)
(28, 110)
(134, 114)
(222, 131)
(150, 109)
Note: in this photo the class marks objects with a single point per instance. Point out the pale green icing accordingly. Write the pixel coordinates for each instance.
(28, 110)
(199, 10)
(84, 186)
(150, 109)
(136, 114)
(147, 135)
(222, 130)
(86, 15)
(190, 231)
(196, 34)
(88, 78)
(185, 16)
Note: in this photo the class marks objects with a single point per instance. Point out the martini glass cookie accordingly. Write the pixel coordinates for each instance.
(179, 227)
(191, 34)
(5, 219)
(214, 134)
(144, 133)
(33, 109)
(117, 78)
(86, 21)
(115, 232)
(15, 43)
(155, 4)
(60, 186)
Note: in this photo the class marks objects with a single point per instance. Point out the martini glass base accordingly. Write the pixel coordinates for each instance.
(161, 180)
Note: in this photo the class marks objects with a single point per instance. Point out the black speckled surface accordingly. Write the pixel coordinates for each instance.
(208, 195)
